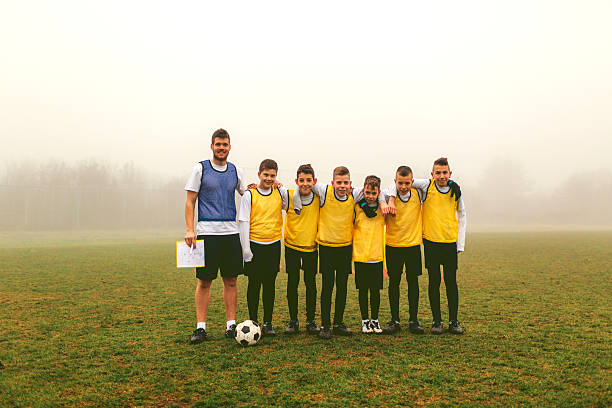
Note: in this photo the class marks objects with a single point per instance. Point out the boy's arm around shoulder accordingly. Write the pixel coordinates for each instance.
(462, 225)
(244, 221)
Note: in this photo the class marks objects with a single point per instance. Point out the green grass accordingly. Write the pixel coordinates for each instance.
(106, 321)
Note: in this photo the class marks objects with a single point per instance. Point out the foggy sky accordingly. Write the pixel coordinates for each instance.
(367, 85)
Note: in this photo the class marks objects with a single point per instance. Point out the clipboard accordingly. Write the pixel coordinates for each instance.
(187, 257)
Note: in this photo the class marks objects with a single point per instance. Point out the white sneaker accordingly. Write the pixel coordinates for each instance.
(375, 327)
(365, 327)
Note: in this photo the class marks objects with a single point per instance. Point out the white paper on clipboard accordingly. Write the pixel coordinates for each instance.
(187, 257)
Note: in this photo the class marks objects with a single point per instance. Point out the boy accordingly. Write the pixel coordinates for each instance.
(301, 249)
(444, 221)
(335, 239)
(261, 223)
(403, 239)
(368, 237)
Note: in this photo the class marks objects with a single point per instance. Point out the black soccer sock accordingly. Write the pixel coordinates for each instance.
(293, 280)
(452, 293)
(394, 295)
(413, 296)
(269, 291)
(310, 279)
(326, 297)
(253, 289)
(341, 282)
(375, 302)
(434, 292)
(363, 303)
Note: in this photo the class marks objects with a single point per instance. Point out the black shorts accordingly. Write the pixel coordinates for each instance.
(440, 253)
(335, 259)
(296, 260)
(369, 275)
(266, 259)
(221, 252)
(398, 257)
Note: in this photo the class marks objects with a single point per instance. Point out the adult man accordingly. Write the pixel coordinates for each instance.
(213, 183)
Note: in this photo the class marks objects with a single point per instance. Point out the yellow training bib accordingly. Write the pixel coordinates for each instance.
(405, 229)
(301, 230)
(266, 216)
(336, 220)
(368, 236)
(439, 215)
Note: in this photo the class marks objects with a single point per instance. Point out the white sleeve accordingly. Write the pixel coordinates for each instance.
(245, 243)
(285, 198)
(320, 190)
(241, 187)
(392, 190)
(385, 195)
(195, 178)
(357, 193)
(462, 221)
(245, 208)
(297, 201)
(421, 184)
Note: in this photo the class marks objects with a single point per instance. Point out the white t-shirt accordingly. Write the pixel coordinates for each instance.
(246, 204)
(215, 227)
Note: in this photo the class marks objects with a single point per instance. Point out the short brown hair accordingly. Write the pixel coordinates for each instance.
(372, 181)
(220, 134)
(341, 171)
(268, 164)
(305, 169)
(403, 171)
(442, 161)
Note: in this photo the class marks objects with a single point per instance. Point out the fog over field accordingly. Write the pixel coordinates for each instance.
(106, 106)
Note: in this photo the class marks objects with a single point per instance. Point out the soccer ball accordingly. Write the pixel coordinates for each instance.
(248, 333)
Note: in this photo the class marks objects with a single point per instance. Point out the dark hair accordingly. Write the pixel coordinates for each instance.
(442, 161)
(268, 164)
(306, 169)
(341, 171)
(220, 134)
(403, 171)
(372, 181)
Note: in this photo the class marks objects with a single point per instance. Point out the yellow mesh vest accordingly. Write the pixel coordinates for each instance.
(439, 215)
(301, 230)
(266, 216)
(405, 229)
(368, 236)
(336, 220)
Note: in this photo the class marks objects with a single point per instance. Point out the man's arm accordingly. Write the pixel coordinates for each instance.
(241, 187)
(462, 221)
(190, 237)
(244, 225)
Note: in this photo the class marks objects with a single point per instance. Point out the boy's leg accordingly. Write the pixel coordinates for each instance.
(376, 277)
(272, 260)
(395, 265)
(253, 289)
(362, 290)
(414, 269)
(327, 282)
(292, 266)
(452, 292)
(434, 292)
(309, 263)
(343, 270)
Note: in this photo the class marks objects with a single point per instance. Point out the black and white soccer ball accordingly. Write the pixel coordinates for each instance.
(248, 333)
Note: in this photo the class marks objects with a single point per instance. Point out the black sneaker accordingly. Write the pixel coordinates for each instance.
(341, 330)
(325, 333)
(311, 327)
(231, 332)
(293, 327)
(437, 328)
(268, 329)
(454, 327)
(415, 327)
(198, 336)
(393, 327)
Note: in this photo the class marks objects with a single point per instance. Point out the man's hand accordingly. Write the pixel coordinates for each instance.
(190, 239)
(247, 255)
(391, 206)
(459, 252)
(455, 190)
(278, 184)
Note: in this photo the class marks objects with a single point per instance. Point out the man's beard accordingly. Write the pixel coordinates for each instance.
(219, 158)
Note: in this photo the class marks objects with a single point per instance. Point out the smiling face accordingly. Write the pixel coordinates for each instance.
(441, 175)
(403, 184)
(371, 194)
(342, 185)
(267, 177)
(305, 182)
(220, 149)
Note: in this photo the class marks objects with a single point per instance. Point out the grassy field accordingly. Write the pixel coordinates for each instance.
(88, 319)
